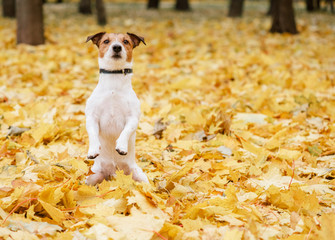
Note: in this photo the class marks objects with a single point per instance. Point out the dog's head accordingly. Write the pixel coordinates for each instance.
(115, 49)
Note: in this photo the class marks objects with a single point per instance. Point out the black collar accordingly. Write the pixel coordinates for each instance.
(122, 71)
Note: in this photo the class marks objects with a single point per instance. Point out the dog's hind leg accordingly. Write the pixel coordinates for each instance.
(95, 178)
(138, 174)
(103, 168)
(135, 170)
(128, 164)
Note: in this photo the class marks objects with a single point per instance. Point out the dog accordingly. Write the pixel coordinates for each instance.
(113, 110)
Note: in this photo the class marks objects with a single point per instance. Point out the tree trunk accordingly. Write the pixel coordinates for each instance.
(310, 5)
(85, 7)
(101, 12)
(30, 22)
(8, 8)
(283, 17)
(182, 5)
(318, 4)
(270, 11)
(235, 8)
(331, 5)
(153, 4)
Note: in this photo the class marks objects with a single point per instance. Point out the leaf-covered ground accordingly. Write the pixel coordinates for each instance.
(270, 177)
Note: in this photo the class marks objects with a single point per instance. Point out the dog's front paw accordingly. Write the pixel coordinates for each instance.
(121, 152)
(93, 153)
(121, 147)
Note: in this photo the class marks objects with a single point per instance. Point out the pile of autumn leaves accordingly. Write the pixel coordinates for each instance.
(236, 133)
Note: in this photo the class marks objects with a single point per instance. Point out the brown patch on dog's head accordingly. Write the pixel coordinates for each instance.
(127, 44)
(103, 41)
(136, 39)
(96, 38)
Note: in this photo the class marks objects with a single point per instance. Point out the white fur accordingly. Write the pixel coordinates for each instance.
(112, 115)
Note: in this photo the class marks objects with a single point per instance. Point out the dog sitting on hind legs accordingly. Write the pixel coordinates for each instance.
(113, 110)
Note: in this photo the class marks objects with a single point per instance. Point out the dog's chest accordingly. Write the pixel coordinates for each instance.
(112, 108)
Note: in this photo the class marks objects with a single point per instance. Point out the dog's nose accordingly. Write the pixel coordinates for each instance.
(117, 48)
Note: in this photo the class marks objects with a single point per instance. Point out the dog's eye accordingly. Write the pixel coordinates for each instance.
(125, 42)
(106, 41)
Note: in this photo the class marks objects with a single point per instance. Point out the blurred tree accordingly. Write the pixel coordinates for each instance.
(8, 8)
(58, 1)
(101, 12)
(283, 17)
(310, 5)
(182, 5)
(153, 4)
(270, 11)
(85, 7)
(331, 5)
(30, 22)
(235, 8)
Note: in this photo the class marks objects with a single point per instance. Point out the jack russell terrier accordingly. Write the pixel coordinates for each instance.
(113, 110)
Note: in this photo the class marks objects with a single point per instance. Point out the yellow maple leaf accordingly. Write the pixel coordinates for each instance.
(51, 195)
(56, 214)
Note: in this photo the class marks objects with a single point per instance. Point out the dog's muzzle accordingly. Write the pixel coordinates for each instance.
(117, 48)
(116, 51)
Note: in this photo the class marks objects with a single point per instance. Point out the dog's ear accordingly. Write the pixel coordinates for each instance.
(136, 39)
(95, 38)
